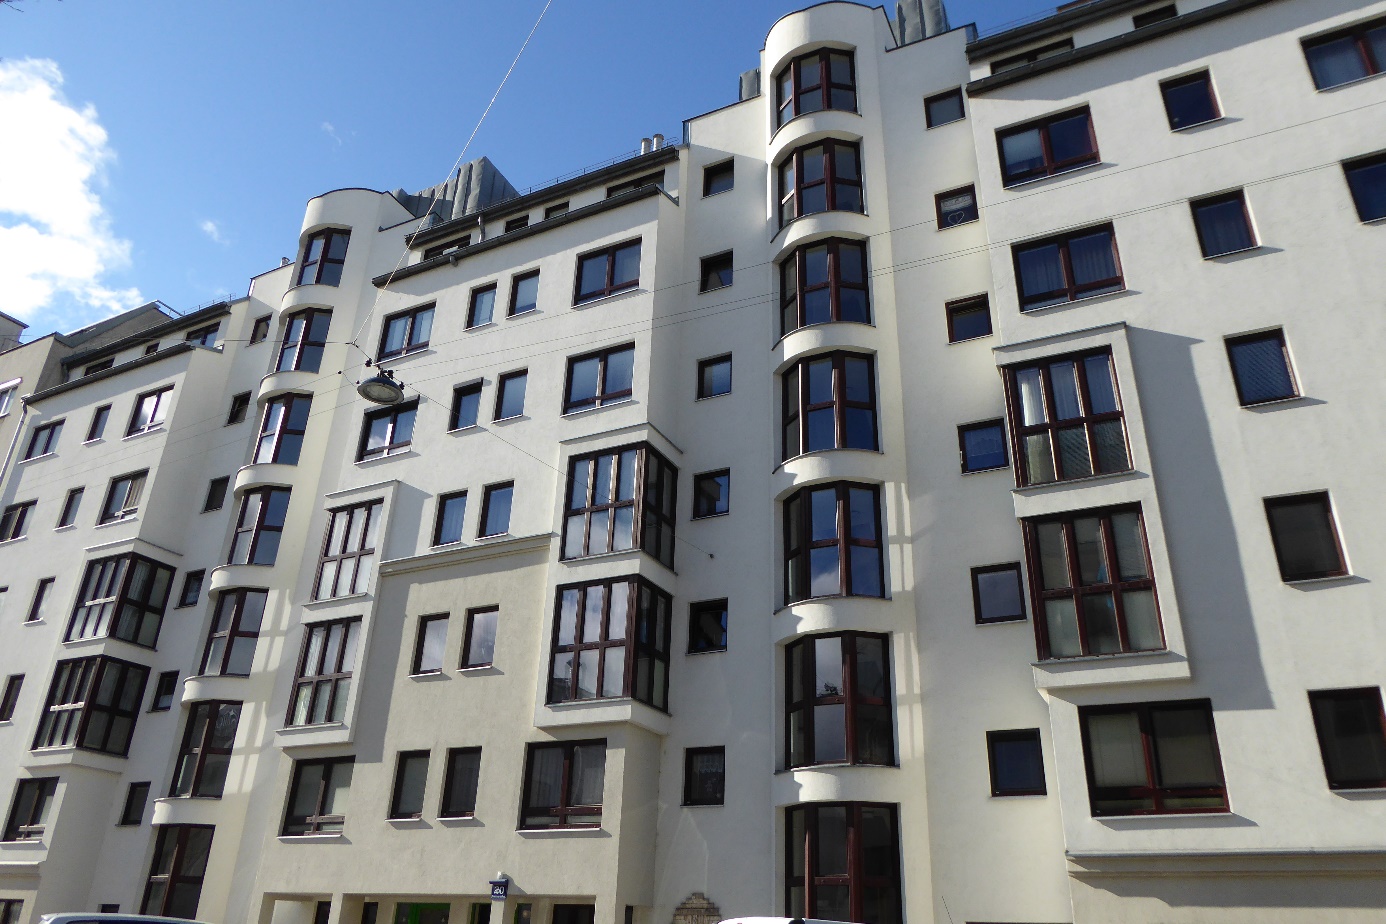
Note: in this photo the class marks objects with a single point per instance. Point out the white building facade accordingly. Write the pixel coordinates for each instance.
(929, 490)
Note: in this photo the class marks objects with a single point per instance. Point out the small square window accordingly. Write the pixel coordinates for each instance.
(101, 366)
(387, 431)
(1017, 762)
(1352, 737)
(164, 690)
(956, 207)
(944, 108)
(192, 588)
(466, 403)
(704, 776)
(452, 509)
(406, 332)
(411, 774)
(429, 644)
(516, 223)
(136, 797)
(1367, 182)
(524, 293)
(1151, 17)
(1190, 100)
(707, 626)
(43, 440)
(719, 178)
(239, 405)
(495, 510)
(556, 211)
(607, 271)
(968, 318)
(150, 410)
(982, 446)
(216, 493)
(997, 595)
(711, 494)
(717, 272)
(482, 309)
(460, 784)
(1305, 537)
(510, 395)
(479, 646)
(123, 498)
(1223, 224)
(715, 376)
(1261, 368)
(260, 329)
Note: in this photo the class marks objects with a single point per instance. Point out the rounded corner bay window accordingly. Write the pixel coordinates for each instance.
(837, 701)
(821, 177)
(830, 403)
(822, 79)
(823, 283)
(833, 543)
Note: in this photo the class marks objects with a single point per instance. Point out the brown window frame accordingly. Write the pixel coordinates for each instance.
(216, 493)
(411, 318)
(14, 683)
(73, 697)
(484, 530)
(695, 794)
(854, 703)
(1049, 166)
(97, 427)
(603, 397)
(797, 407)
(1013, 736)
(1324, 731)
(504, 381)
(43, 440)
(324, 672)
(474, 302)
(1205, 243)
(960, 305)
(704, 508)
(278, 433)
(369, 538)
(260, 329)
(198, 751)
(512, 308)
(324, 269)
(472, 636)
(791, 186)
(317, 822)
(789, 105)
(1278, 336)
(40, 595)
(14, 521)
(417, 668)
(461, 393)
(1326, 503)
(1011, 567)
(121, 596)
(704, 366)
(1150, 746)
(128, 489)
(448, 806)
(1072, 290)
(939, 212)
(713, 270)
(809, 877)
(260, 528)
(136, 801)
(653, 502)
(1051, 427)
(240, 404)
(395, 414)
(398, 811)
(157, 412)
(1204, 78)
(712, 176)
(566, 810)
(176, 874)
(217, 651)
(964, 457)
(612, 286)
(165, 690)
(697, 613)
(801, 547)
(305, 352)
(1357, 32)
(440, 518)
(1376, 163)
(644, 641)
(557, 210)
(26, 822)
(955, 93)
(794, 299)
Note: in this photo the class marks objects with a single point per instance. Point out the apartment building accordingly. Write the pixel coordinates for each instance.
(929, 489)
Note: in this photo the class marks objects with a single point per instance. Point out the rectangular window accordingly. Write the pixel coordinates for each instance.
(452, 246)
(14, 521)
(1066, 418)
(466, 402)
(711, 494)
(649, 179)
(216, 493)
(259, 526)
(495, 510)
(1017, 762)
(150, 410)
(956, 207)
(447, 523)
(348, 550)
(1048, 146)
(123, 498)
(1352, 737)
(324, 254)
(432, 638)
(460, 783)
(203, 336)
(151, 348)
(239, 405)
(704, 776)
(9, 910)
(1348, 55)
(563, 785)
(1090, 574)
(387, 431)
(607, 272)
(601, 378)
(40, 597)
(837, 701)
(620, 499)
(479, 646)
(1261, 368)
(822, 283)
(1190, 100)
(98, 422)
(205, 754)
(318, 796)
(982, 446)
(714, 376)
(719, 178)
(1305, 537)
(707, 626)
(482, 309)
(92, 704)
(70, 505)
(29, 811)
(944, 108)
(832, 542)
(823, 79)
(259, 331)
(1152, 759)
(997, 595)
(823, 177)
(165, 688)
(305, 338)
(968, 319)
(556, 211)
(175, 876)
(1063, 46)
(1223, 224)
(842, 861)
(43, 440)
(1367, 181)
(136, 798)
(611, 640)
(524, 293)
(829, 403)
(100, 366)
(10, 697)
(510, 395)
(515, 224)
(124, 597)
(323, 680)
(192, 588)
(716, 272)
(1066, 268)
(230, 649)
(282, 428)
(411, 774)
(7, 397)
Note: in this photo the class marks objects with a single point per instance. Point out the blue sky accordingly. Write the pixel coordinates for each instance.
(167, 147)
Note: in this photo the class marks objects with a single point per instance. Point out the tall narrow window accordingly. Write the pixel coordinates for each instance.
(36, 610)
(495, 510)
(240, 403)
(282, 428)
(10, 698)
(598, 379)
(406, 332)
(150, 410)
(837, 701)
(324, 254)
(621, 499)
(611, 639)
(192, 588)
(1048, 146)
(707, 626)
(136, 798)
(33, 797)
(92, 704)
(1367, 182)
(842, 862)
(122, 498)
(205, 754)
(704, 776)
(122, 597)
(1223, 224)
(1352, 737)
(174, 887)
(447, 523)
(9, 910)
(429, 643)
(830, 403)
(318, 796)
(1152, 759)
(411, 773)
(460, 783)
(349, 548)
(230, 649)
(832, 542)
(70, 505)
(216, 493)
(1305, 537)
(466, 402)
(1261, 368)
(1061, 269)
(824, 282)
(14, 521)
(607, 272)
(1017, 762)
(97, 427)
(43, 440)
(387, 431)
(322, 683)
(510, 395)
(524, 293)
(824, 79)
(823, 177)
(259, 331)
(1091, 576)
(1066, 418)
(563, 785)
(259, 526)
(1342, 57)
(483, 307)
(1190, 101)
(479, 647)
(305, 338)
(165, 688)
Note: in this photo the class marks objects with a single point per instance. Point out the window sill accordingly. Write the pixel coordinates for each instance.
(1350, 83)
(1240, 252)
(532, 309)
(400, 357)
(569, 831)
(430, 677)
(718, 193)
(619, 402)
(929, 128)
(325, 601)
(117, 521)
(985, 471)
(1375, 221)
(1273, 403)
(1110, 656)
(710, 651)
(93, 442)
(1031, 490)
(507, 421)
(468, 330)
(63, 529)
(1195, 125)
(1360, 790)
(46, 455)
(714, 289)
(4, 722)
(710, 516)
(470, 428)
(1082, 299)
(1166, 816)
(1327, 579)
(633, 290)
(1007, 621)
(14, 540)
(1062, 174)
(838, 765)
(388, 457)
(722, 394)
(460, 821)
(702, 804)
(292, 730)
(150, 432)
(407, 824)
(478, 669)
(35, 622)
(310, 838)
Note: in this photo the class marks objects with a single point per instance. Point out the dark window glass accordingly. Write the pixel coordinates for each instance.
(203, 336)
(601, 378)
(944, 108)
(43, 440)
(716, 272)
(829, 403)
(136, 798)
(842, 862)
(348, 551)
(259, 526)
(711, 494)
(1367, 182)
(466, 403)
(318, 796)
(68, 516)
(92, 704)
(563, 785)
(100, 366)
(1051, 50)
(556, 211)
(323, 256)
(164, 690)
(305, 338)
(1061, 269)
(29, 811)
(479, 646)
(216, 493)
(14, 521)
(150, 410)
(996, 594)
(9, 910)
(1017, 762)
(707, 626)
(192, 588)
(98, 422)
(822, 177)
(982, 446)
(619, 499)
(704, 776)
(122, 597)
(1066, 418)
(230, 649)
(1305, 537)
(447, 524)
(611, 640)
(1342, 57)
(261, 328)
(607, 272)
(407, 332)
(524, 293)
(1223, 224)
(460, 783)
(1261, 368)
(482, 309)
(837, 700)
(282, 429)
(515, 224)
(239, 405)
(447, 247)
(122, 498)
(1047, 146)
(832, 542)
(1152, 759)
(1151, 17)
(956, 207)
(816, 81)
(649, 179)
(150, 349)
(510, 394)
(824, 282)
(175, 876)
(411, 773)
(205, 755)
(714, 376)
(40, 596)
(1190, 100)
(495, 509)
(10, 698)
(1352, 737)
(1090, 574)
(387, 431)
(432, 638)
(719, 178)
(323, 681)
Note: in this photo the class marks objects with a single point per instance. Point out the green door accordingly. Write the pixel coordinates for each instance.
(420, 913)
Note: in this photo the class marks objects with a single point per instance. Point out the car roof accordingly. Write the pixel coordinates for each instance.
(76, 917)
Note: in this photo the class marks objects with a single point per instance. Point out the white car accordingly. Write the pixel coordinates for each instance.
(87, 917)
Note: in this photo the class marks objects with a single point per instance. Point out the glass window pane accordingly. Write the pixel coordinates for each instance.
(1337, 62)
(1061, 624)
(1073, 452)
(1070, 138)
(999, 595)
(1041, 273)
(1305, 541)
(1093, 258)
(831, 842)
(1142, 621)
(1185, 748)
(619, 369)
(1092, 555)
(1022, 152)
(1129, 539)
(627, 269)
(1261, 368)
(1109, 441)
(830, 734)
(866, 571)
(1115, 750)
(592, 276)
(1017, 764)
(1351, 736)
(1223, 227)
(1099, 618)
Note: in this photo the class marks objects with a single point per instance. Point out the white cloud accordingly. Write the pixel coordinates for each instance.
(213, 230)
(56, 240)
(331, 132)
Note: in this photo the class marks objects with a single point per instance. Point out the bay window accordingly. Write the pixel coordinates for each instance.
(837, 701)
(348, 551)
(282, 429)
(323, 680)
(621, 499)
(205, 754)
(230, 648)
(611, 640)
(823, 79)
(1066, 418)
(175, 879)
(259, 526)
(124, 597)
(822, 177)
(305, 338)
(92, 704)
(824, 282)
(832, 542)
(324, 254)
(842, 862)
(830, 403)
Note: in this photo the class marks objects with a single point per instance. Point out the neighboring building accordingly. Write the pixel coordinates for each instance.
(931, 490)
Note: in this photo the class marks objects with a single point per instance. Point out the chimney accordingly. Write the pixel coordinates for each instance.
(750, 84)
(658, 142)
(919, 19)
(645, 145)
